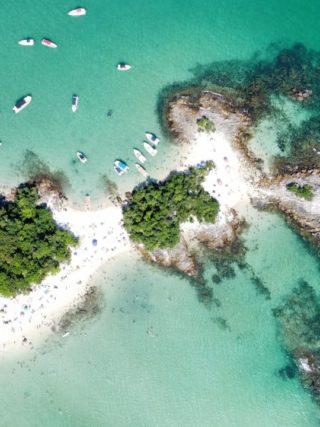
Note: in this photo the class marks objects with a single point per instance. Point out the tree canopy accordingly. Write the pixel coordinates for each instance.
(155, 212)
(303, 191)
(32, 245)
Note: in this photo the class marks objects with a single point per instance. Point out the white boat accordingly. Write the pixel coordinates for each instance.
(79, 11)
(82, 157)
(152, 138)
(123, 67)
(26, 42)
(142, 170)
(49, 43)
(120, 167)
(22, 103)
(151, 150)
(75, 103)
(139, 155)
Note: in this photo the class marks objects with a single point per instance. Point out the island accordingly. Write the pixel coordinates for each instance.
(200, 208)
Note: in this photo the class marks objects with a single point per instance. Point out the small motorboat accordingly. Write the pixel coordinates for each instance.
(82, 157)
(123, 66)
(139, 155)
(26, 42)
(152, 138)
(22, 103)
(49, 43)
(75, 103)
(142, 170)
(151, 150)
(120, 167)
(79, 11)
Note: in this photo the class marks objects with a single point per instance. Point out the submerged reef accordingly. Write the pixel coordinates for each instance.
(298, 321)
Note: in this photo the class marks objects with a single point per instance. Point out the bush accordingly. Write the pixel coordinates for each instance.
(31, 243)
(303, 191)
(156, 210)
(205, 125)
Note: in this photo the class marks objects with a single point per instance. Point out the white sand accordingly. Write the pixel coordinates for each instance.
(229, 182)
(32, 316)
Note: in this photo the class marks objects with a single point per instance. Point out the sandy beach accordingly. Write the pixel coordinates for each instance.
(26, 319)
(230, 181)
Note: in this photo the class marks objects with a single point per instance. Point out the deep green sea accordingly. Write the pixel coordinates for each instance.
(154, 355)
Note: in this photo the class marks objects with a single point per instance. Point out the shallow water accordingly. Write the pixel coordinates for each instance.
(154, 356)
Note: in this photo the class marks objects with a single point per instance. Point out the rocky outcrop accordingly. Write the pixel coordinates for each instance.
(194, 239)
(303, 214)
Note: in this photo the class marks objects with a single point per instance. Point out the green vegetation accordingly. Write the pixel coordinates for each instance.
(304, 191)
(156, 210)
(31, 243)
(205, 125)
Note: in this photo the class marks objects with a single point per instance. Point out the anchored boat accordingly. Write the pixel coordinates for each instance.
(120, 167)
(142, 170)
(75, 103)
(22, 103)
(48, 43)
(26, 42)
(152, 138)
(79, 11)
(123, 67)
(151, 150)
(82, 157)
(139, 155)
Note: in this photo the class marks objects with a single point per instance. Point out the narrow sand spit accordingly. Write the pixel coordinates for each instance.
(28, 318)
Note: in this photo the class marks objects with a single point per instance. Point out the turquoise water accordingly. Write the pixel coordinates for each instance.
(154, 356)
(162, 40)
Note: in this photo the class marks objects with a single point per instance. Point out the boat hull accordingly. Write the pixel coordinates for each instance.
(152, 151)
(26, 42)
(81, 157)
(139, 155)
(142, 170)
(152, 138)
(21, 104)
(49, 43)
(79, 11)
(120, 167)
(75, 103)
(123, 67)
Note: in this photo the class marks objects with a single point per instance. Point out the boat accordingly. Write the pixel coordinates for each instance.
(120, 167)
(151, 150)
(79, 11)
(82, 157)
(152, 138)
(26, 42)
(75, 103)
(49, 43)
(22, 103)
(142, 170)
(123, 67)
(139, 155)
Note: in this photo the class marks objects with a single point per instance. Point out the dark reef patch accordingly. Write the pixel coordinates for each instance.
(87, 310)
(251, 87)
(37, 171)
(298, 320)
